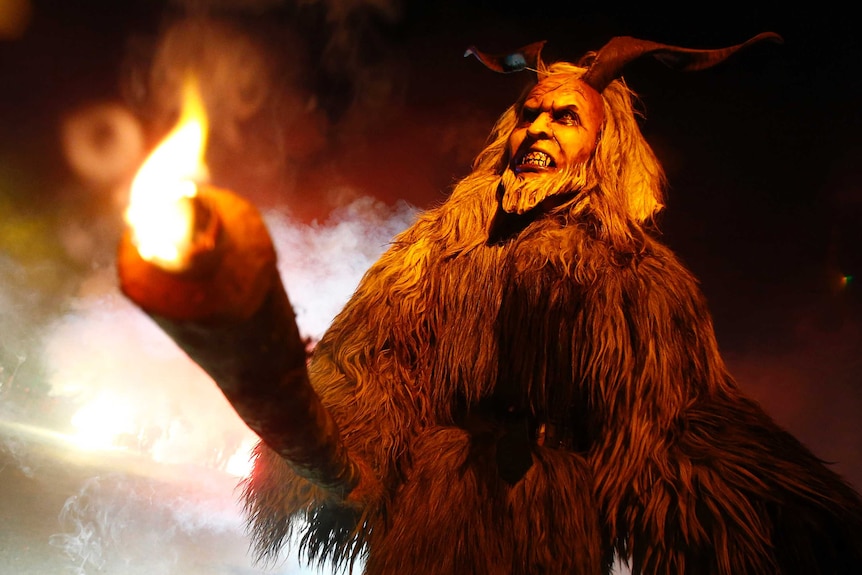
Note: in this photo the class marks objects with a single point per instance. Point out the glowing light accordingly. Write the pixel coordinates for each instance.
(159, 212)
(15, 17)
(101, 422)
(240, 463)
(846, 280)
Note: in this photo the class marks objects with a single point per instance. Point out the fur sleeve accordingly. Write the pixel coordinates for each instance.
(692, 475)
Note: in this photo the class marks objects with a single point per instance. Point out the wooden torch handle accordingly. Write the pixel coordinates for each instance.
(230, 313)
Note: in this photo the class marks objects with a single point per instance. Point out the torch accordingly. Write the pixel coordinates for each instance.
(199, 261)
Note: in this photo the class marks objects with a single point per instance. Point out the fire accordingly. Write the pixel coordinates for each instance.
(160, 214)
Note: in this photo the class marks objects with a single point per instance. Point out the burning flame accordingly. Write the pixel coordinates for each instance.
(160, 214)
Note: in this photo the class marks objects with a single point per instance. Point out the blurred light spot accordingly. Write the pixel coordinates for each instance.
(103, 144)
(102, 422)
(14, 18)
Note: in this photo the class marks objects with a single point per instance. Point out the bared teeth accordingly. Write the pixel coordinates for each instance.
(537, 159)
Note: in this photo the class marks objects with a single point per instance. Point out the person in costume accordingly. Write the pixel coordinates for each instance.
(529, 382)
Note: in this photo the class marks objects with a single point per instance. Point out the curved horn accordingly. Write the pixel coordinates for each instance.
(607, 64)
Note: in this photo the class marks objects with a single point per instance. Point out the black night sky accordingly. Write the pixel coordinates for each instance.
(763, 153)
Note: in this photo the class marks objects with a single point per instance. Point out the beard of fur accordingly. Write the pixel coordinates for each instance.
(521, 194)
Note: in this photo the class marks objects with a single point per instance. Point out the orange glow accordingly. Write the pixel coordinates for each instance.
(160, 213)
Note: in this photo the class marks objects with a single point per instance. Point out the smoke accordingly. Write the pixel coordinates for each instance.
(133, 446)
(14, 449)
(118, 377)
(128, 525)
(97, 523)
(293, 91)
(152, 447)
(14, 299)
(321, 264)
(26, 306)
(105, 349)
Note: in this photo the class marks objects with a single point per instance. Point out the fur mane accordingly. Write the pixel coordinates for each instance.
(577, 317)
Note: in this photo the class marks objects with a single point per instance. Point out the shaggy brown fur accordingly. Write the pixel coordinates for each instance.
(535, 393)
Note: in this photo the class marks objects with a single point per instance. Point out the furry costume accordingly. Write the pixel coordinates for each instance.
(534, 393)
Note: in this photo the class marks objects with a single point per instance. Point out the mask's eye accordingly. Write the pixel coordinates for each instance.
(567, 117)
(529, 115)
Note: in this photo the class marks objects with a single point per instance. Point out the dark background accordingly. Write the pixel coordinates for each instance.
(762, 153)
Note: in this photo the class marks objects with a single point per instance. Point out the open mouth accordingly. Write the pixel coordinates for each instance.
(535, 160)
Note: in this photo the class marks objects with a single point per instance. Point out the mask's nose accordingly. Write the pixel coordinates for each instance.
(540, 127)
